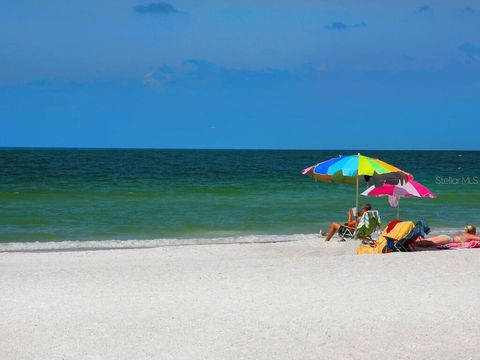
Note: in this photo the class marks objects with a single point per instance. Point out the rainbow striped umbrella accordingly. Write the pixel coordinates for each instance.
(347, 169)
(353, 169)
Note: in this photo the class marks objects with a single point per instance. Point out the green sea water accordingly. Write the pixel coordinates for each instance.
(54, 195)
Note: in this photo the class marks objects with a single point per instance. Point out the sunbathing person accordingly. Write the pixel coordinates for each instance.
(469, 234)
(351, 221)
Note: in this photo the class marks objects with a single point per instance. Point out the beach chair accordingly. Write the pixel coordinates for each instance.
(368, 224)
(346, 232)
(421, 229)
(387, 240)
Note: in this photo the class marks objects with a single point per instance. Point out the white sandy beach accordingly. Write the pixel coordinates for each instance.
(298, 300)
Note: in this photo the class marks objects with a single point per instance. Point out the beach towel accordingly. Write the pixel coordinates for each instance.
(368, 223)
(376, 248)
(473, 244)
(421, 229)
(399, 231)
(392, 224)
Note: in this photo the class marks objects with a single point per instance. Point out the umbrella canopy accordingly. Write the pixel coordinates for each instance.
(395, 192)
(408, 189)
(353, 168)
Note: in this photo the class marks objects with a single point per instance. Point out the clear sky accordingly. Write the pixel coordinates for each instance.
(240, 74)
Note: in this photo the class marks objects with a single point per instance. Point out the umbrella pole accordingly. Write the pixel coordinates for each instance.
(398, 210)
(356, 207)
(356, 199)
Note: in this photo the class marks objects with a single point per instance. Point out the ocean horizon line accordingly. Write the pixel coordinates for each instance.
(2, 148)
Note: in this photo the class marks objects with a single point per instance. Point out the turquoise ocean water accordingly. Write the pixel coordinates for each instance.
(174, 196)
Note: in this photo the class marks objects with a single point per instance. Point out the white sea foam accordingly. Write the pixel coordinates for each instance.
(69, 245)
(129, 244)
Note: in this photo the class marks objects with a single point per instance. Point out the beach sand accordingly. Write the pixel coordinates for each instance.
(297, 300)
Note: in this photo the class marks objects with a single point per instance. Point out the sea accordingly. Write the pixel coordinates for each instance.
(60, 199)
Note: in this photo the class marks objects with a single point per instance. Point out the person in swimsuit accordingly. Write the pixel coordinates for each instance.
(469, 234)
(351, 221)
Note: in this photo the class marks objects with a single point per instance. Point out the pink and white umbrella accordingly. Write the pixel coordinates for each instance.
(395, 192)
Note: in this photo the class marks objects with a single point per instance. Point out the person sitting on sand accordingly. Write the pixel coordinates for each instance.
(469, 234)
(351, 221)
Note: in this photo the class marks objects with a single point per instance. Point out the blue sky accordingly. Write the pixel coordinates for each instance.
(240, 74)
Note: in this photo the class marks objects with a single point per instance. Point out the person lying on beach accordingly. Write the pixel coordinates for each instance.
(469, 234)
(351, 221)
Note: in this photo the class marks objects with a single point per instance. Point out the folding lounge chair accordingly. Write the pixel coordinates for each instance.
(368, 224)
(346, 232)
(421, 229)
(387, 240)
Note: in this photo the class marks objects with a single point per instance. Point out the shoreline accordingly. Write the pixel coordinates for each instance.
(90, 245)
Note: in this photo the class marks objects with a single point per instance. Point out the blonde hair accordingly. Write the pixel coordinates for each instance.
(470, 229)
